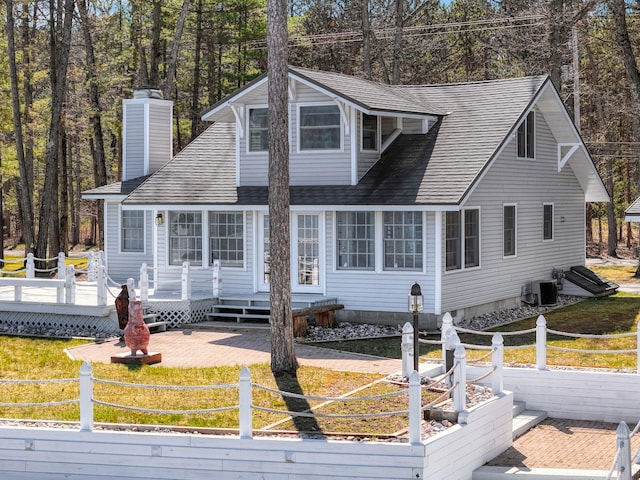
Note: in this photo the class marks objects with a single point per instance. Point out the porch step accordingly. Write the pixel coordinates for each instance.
(153, 324)
(257, 308)
(526, 420)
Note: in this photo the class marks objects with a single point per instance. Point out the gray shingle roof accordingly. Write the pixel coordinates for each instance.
(438, 168)
(117, 188)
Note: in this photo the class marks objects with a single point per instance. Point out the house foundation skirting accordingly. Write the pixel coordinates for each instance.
(427, 321)
(55, 324)
(178, 312)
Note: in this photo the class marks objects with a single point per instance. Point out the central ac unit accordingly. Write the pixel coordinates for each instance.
(545, 291)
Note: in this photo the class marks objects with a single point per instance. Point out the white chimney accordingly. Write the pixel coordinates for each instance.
(147, 136)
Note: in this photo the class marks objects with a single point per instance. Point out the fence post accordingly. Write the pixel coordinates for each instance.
(216, 280)
(541, 343)
(92, 267)
(246, 420)
(86, 398)
(31, 266)
(186, 281)
(407, 349)
(447, 324)
(144, 283)
(415, 408)
(460, 379)
(70, 286)
(497, 362)
(623, 440)
(101, 286)
(62, 266)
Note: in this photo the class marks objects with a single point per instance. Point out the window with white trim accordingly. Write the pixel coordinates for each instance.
(320, 127)
(258, 130)
(462, 239)
(132, 224)
(369, 132)
(526, 136)
(185, 238)
(226, 238)
(356, 240)
(402, 240)
(547, 222)
(509, 230)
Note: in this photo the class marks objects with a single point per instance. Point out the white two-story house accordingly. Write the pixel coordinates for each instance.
(474, 190)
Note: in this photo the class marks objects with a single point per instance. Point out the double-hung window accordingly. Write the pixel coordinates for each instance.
(320, 127)
(402, 241)
(258, 130)
(185, 238)
(226, 238)
(526, 136)
(509, 230)
(356, 240)
(462, 239)
(547, 222)
(132, 231)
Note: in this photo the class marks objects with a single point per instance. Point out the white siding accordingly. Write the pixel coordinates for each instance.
(366, 159)
(134, 140)
(123, 265)
(160, 135)
(306, 168)
(528, 184)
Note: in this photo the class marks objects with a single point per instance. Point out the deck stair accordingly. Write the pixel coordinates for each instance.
(152, 322)
(524, 420)
(246, 309)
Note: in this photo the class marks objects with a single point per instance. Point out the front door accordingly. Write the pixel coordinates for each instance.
(306, 249)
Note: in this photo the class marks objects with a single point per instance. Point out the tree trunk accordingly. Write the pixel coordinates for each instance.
(612, 237)
(99, 156)
(154, 71)
(283, 357)
(366, 39)
(25, 192)
(59, 59)
(195, 91)
(397, 42)
(173, 58)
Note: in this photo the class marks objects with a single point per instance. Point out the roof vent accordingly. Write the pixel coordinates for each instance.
(148, 92)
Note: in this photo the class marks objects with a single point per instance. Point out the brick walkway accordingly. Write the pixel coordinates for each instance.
(572, 444)
(236, 347)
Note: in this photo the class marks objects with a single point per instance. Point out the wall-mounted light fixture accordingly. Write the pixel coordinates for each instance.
(159, 219)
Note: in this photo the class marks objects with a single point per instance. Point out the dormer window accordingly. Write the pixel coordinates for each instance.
(320, 127)
(369, 132)
(526, 136)
(258, 130)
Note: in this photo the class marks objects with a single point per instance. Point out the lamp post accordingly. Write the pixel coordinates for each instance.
(416, 306)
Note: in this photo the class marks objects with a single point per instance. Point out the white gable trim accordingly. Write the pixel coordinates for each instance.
(208, 116)
(238, 110)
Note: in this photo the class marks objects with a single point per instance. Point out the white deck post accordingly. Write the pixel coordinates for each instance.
(447, 324)
(186, 281)
(131, 288)
(69, 287)
(407, 349)
(216, 280)
(62, 266)
(415, 408)
(86, 398)
(31, 266)
(101, 287)
(144, 283)
(497, 362)
(246, 420)
(541, 343)
(92, 267)
(623, 441)
(460, 379)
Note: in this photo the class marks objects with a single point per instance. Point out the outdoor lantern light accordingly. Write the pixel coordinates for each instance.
(416, 306)
(159, 219)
